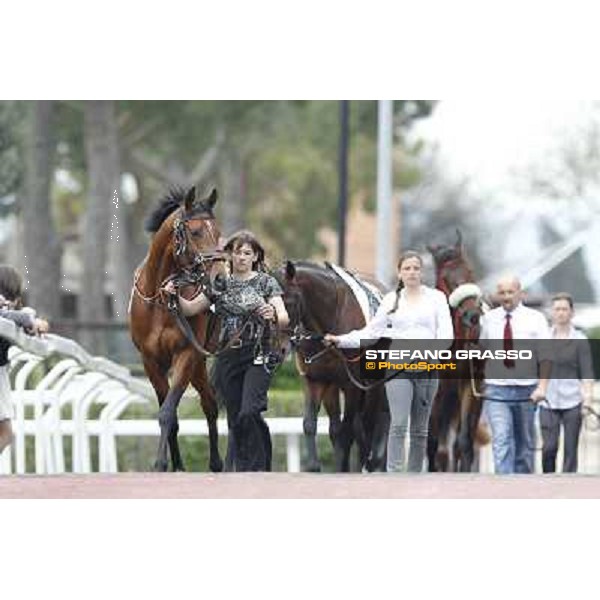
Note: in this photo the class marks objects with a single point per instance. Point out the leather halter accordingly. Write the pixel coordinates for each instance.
(195, 273)
(301, 333)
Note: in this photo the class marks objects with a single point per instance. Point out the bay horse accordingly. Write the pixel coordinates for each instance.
(184, 248)
(458, 402)
(319, 301)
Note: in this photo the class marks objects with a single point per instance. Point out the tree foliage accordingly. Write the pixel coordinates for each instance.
(274, 162)
(12, 117)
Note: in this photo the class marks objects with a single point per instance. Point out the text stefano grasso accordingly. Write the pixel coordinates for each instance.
(473, 354)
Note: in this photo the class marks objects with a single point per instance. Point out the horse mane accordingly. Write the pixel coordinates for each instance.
(320, 268)
(168, 205)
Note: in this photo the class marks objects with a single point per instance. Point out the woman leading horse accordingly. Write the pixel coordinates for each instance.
(251, 312)
(413, 312)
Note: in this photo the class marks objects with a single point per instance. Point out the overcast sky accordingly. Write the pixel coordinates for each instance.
(487, 139)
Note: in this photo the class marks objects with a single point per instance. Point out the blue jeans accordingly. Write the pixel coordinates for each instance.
(513, 427)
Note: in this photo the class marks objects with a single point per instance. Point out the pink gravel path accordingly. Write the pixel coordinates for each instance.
(301, 485)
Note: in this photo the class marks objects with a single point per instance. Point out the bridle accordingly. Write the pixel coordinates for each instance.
(300, 333)
(458, 262)
(466, 320)
(195, 271)
(182, 235)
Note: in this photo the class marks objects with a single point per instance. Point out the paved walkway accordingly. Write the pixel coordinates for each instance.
(301, 485)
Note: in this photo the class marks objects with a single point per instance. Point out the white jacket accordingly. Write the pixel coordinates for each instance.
(429, 319)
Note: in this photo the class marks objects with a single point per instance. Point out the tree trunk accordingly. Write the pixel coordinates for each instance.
(103, 240)
(41, 246)
(232, 205)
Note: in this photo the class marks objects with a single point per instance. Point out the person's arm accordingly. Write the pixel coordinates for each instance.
(586, 370)
(544, 358)
(444, 328)
(587, 392)
(23, 318)
(281, 316)
(374, 329)
(545, 369)
(274, 310)
(191, 307)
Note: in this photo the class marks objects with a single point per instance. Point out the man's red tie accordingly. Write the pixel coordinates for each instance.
(509, 363)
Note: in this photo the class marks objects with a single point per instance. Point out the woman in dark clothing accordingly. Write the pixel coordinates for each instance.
(249, 307)
(570, 389)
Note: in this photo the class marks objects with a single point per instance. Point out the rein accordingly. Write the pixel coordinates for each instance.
(307, 335)
(195, 275)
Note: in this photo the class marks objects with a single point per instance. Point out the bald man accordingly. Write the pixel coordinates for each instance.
(510, 397)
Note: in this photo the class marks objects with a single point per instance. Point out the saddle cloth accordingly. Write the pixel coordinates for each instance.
(367, 295)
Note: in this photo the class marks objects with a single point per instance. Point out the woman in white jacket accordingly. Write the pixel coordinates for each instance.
(413, 312)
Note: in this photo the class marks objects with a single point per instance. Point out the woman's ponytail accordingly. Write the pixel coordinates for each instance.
(399, 289)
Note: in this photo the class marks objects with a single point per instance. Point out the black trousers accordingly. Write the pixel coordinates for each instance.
(244, 385)
(550, 422)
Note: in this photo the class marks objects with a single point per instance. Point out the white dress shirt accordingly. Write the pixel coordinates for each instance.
(526, 324)
(428, 319)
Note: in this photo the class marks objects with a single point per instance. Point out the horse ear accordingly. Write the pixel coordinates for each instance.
(189, 198)
(212, 199)
(290, 270)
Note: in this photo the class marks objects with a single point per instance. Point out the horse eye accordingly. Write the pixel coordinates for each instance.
(197, 233)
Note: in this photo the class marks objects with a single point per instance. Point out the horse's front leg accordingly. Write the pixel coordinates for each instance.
(345, 435)
(433, 434)
(377, 406)
(169, 427)
(158, 379)
(446, 408)
(182, 369)
(210, 407)
(312, 405)
(360, 425)
(470, 412)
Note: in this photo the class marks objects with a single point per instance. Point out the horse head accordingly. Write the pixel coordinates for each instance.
(196, 241)
(292, 296)
(186, 240)
(310, 296)
(467, 308)
(452, 266)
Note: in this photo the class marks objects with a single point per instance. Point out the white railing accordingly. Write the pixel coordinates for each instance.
(78, 381)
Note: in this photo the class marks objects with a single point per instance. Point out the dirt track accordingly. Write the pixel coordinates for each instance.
(303, 485)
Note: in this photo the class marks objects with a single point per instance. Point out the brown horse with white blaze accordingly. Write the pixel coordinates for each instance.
(185, 249)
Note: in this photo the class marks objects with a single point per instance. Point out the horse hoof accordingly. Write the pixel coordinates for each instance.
(160, 466)
(216, 465)
(313, 468)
